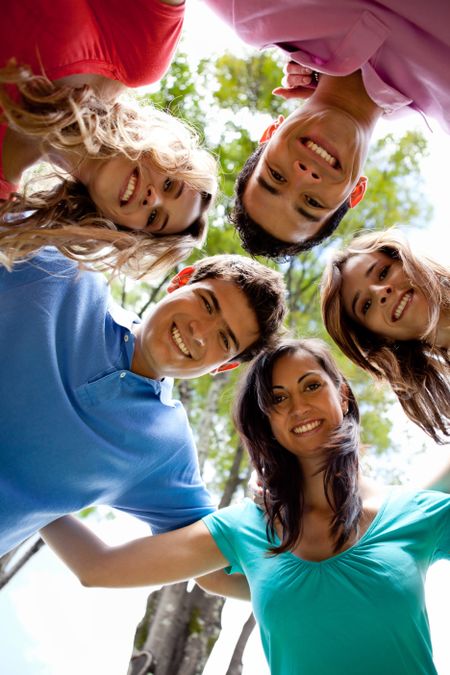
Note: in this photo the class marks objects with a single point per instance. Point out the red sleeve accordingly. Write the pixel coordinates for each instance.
(132, 42)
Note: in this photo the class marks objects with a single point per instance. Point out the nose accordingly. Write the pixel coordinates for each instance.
(150, 197)
(200, 331)
(306, 169)
(382, 292)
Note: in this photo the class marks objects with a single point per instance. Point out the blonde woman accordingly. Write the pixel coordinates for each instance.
(134, 183)
(388, 309)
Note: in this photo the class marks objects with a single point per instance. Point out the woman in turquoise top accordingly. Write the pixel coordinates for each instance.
(336, 565)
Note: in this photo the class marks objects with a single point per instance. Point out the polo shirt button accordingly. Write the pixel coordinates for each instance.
(125, 338)
(122, 375)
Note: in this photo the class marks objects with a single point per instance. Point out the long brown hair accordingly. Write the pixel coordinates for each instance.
(279, 469)
(65, 216)
(417, 370)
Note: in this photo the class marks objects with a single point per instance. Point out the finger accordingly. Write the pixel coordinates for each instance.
(290, 81)
(296, 68)
(296, 92)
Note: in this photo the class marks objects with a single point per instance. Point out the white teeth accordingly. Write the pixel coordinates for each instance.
(332, 161)
(179, 342)
(302, 429)
(130, 188)
(399, 311)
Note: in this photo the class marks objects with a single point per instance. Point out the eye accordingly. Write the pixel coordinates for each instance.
(384, 272)
(277, 399)
(207, 304)
(276, 176)
(366, 306)
(152, 217)
(167, 184)
(312, 202)
(313, 386)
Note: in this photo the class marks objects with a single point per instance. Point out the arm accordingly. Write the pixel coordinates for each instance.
(162, 559)
(230, 586)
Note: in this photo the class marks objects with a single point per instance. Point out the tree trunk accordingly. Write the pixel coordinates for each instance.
(236, 665)
(177, 633)
(6, 571)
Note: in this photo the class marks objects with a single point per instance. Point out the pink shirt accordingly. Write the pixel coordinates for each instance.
(401, 46)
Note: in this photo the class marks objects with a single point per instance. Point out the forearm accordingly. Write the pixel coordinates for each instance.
(163, 559)
(227, 585)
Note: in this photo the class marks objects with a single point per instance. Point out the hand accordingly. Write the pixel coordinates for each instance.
(255, 490)
(298, 81)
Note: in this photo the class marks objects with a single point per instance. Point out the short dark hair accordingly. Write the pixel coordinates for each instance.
(255, 240)
(263, 287)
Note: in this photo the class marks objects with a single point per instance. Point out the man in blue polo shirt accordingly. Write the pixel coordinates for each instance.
(87, 415)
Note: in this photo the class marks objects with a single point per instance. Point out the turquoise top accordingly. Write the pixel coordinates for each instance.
(362, 611)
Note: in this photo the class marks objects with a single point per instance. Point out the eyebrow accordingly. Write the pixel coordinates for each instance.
(273, 191)
(180, 190)
(164, 224)
(358, 293)
(218, 309)
(266, 186)
(310, 372)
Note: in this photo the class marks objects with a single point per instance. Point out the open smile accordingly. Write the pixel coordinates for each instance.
(307, 427)
(401, 306)
(323, 154)
(129, 189)
(179, 342)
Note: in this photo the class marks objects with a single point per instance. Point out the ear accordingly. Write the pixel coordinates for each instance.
(271, 129)
(180, 279)
(230, 365)
(358, 192)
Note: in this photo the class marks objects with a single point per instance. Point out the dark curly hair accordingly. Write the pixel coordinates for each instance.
(255, 240)
(279, 470)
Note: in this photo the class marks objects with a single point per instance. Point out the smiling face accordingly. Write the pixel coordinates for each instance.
(307, 404)
(139, 197)
(377, 294)
(309, 167)
(194, 330)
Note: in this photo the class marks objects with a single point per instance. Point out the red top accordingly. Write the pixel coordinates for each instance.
(132, 42)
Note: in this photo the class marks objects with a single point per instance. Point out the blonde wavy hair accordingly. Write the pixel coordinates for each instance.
(417, 370)
(65, 118)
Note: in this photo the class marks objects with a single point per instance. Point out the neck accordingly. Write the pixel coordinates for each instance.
(313, 487)
(349, 94)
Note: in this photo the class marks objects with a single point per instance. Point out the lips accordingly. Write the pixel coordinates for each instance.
(323, 153)
(401, 306)
(129, 189)
(306, 427)
(179, 342)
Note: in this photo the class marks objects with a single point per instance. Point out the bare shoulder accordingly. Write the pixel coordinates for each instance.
(104, 87)
(373, 495)
(172, 2)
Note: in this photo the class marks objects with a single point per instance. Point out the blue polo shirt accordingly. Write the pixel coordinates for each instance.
(77, 428)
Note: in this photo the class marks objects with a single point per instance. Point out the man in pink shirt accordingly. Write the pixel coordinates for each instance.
(374, 58)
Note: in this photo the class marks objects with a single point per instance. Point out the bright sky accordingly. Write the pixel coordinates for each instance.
(50, 625)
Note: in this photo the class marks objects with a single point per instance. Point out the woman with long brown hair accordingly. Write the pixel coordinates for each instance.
(388, 309)
(133, 182)
(335, 564)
